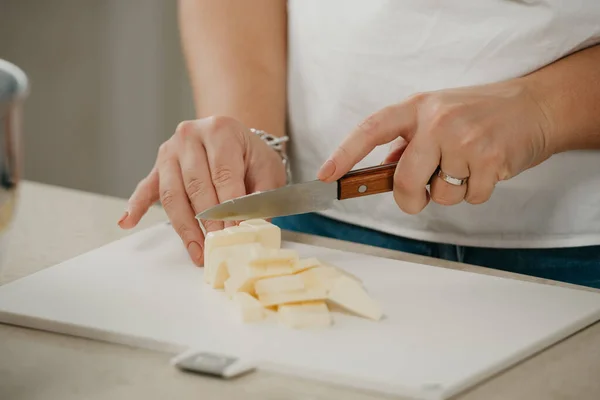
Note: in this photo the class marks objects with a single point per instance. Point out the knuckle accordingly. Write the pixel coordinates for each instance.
(419, 98)
(164, 149)
(470, 140)
(217, 123)
(492, 157)
(221, 176)
(184, 232)
(185, 129)
(211, 225)
(445, 116)
(342, 153)
(435, 103)
(136, 203)
(370, 126)
(195, 188)
(167, 198)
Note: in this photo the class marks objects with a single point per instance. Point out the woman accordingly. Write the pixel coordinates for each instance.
(503, 96)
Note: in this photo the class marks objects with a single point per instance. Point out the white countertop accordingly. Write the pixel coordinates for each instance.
(54, 224)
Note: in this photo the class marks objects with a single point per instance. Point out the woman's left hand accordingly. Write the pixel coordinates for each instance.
(485, 133)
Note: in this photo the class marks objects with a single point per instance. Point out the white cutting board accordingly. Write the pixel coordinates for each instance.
(444, 330)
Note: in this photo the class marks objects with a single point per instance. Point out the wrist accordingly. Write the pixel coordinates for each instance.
(277, 144)
(545, 118)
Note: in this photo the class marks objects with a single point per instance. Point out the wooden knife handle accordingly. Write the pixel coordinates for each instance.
(367, 181)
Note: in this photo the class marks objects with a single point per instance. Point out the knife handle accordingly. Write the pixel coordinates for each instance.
(367, 181)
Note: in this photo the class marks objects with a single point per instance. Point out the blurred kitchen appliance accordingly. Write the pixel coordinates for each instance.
(13, 92)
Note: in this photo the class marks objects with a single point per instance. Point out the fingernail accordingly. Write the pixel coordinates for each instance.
(326, 170)
(195, 251)
(123, 218)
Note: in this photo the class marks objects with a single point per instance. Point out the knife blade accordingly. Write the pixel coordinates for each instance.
(304, 197)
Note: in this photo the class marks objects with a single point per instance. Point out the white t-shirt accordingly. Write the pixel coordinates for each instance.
(349, 58)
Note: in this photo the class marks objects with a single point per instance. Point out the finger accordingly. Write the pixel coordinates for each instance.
(225, 154)
(481, 184)
(396, 149)
(380, 128)
(175, 202)
(266, 175)
(413, 172)
(143, 197)
(261, 181)
(197, 181)
(445, 193)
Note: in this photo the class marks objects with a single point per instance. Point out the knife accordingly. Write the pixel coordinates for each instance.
(304, 197)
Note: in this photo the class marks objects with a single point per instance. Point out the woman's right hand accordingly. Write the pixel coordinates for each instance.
(204, 163)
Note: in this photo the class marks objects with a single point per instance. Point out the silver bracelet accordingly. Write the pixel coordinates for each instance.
(275, 142)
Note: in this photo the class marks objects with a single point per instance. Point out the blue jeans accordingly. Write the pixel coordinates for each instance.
(577, 265)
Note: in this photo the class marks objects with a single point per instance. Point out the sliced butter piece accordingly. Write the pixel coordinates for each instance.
(250, 309)
(269, 234)
(212, 241)
(243, 276)
(266, 256)
(320, 277)
(279, 284)
(305, 315)
(348, 294)
(231, 236)
(305, 264)
(216, 266)
(342, 271)
(236, 283)
(293, 296)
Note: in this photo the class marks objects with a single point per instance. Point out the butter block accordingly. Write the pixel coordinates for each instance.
(348, 294)
(279, 284)
(249, 308)
(235, 284)
(343, 271)
(242, 277)
(217, 272)
(305, 315)
(231, 236)
(320, 277)
(305, 264)
(269, 234)
(261, 255)
(216, 267)
(293, 296)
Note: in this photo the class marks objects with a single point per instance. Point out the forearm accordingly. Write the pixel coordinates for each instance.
(568, 92)
(236, 58)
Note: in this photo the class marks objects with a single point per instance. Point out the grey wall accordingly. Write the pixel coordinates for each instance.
(108, 86)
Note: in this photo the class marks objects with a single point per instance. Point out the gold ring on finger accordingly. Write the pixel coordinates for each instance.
(450, 179)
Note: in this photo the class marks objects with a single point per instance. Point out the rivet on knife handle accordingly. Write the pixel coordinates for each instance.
(367, 181)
